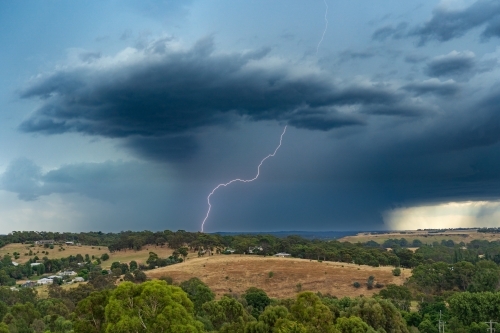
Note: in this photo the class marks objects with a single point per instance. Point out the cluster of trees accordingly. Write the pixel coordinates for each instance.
(208, 244)
(439, 277)
(87, 238)
(156, 306)
(159, 306)
(370, 253)
(490, 230)
(446, 251)
(84, 266)
(9, 272)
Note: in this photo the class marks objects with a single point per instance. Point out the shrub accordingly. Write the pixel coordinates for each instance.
(298, 287)
(167, 279)
(396, 271)
(379, 285)
(370, 282)
(270, 274)
(356, 284)
(139, 276)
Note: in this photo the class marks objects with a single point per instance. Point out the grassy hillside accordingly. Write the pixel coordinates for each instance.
(122, 256)
(424, 236)
(235, 273)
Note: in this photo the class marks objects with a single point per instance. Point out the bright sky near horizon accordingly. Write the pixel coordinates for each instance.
(124, 115)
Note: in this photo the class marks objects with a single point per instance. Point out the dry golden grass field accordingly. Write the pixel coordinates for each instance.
(122, 256)
(235, 273)
(465, 236)
(43, 291)
(53, 253)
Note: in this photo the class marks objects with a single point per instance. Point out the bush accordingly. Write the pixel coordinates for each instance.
(298, 287)
(129, 277)
(370, 282)
(140, 276)
(396, 271)
(356, 284)
(104, 256)
(270, 274)
(167, 279)
(379, 285)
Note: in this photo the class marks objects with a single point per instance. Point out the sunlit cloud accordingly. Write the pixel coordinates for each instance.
(467, 214)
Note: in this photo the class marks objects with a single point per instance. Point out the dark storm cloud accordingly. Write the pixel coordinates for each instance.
(24, 178)
(352, 55)
(433, 86)
(493, 29)
(390, 31)
(89, 56)
(95, 180)
(415, 59)
(449, 24)
(173, 148)
(452, 64)
(322, 120)
(452, 156)
(395, 110)
(159, 101)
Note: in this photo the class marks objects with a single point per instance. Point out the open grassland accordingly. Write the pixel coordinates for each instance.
(279, 277)
(121, 256)
(43, 291)
(425, 237)
(54, 253)
(139, 256)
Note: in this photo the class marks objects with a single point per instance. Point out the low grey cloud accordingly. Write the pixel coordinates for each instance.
(172, 148)
(433, 86)
(96, 180)
(348, 55)
(160, 96)
(23, 177)
(492, 29)
(89, 56)
(322, 120)
(448, 24)
(390, 31)
(415, 58)
(453, 64)
(395, 110)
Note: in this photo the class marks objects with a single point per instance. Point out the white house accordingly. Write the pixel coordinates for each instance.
(78, 279)
(253, 249)
(35, 264)
(44, 241)
(67, 273)
(15, 263)
(282, 254)
(45, 281)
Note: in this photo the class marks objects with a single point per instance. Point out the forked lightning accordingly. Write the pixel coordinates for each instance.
(240, 180)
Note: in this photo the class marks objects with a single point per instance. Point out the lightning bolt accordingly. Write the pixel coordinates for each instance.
(240, 180)
(326, 27)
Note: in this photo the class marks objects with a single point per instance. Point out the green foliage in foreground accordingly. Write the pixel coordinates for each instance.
(152, 306)
(155, 306)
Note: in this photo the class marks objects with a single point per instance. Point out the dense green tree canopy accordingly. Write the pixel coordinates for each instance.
(150, 307)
